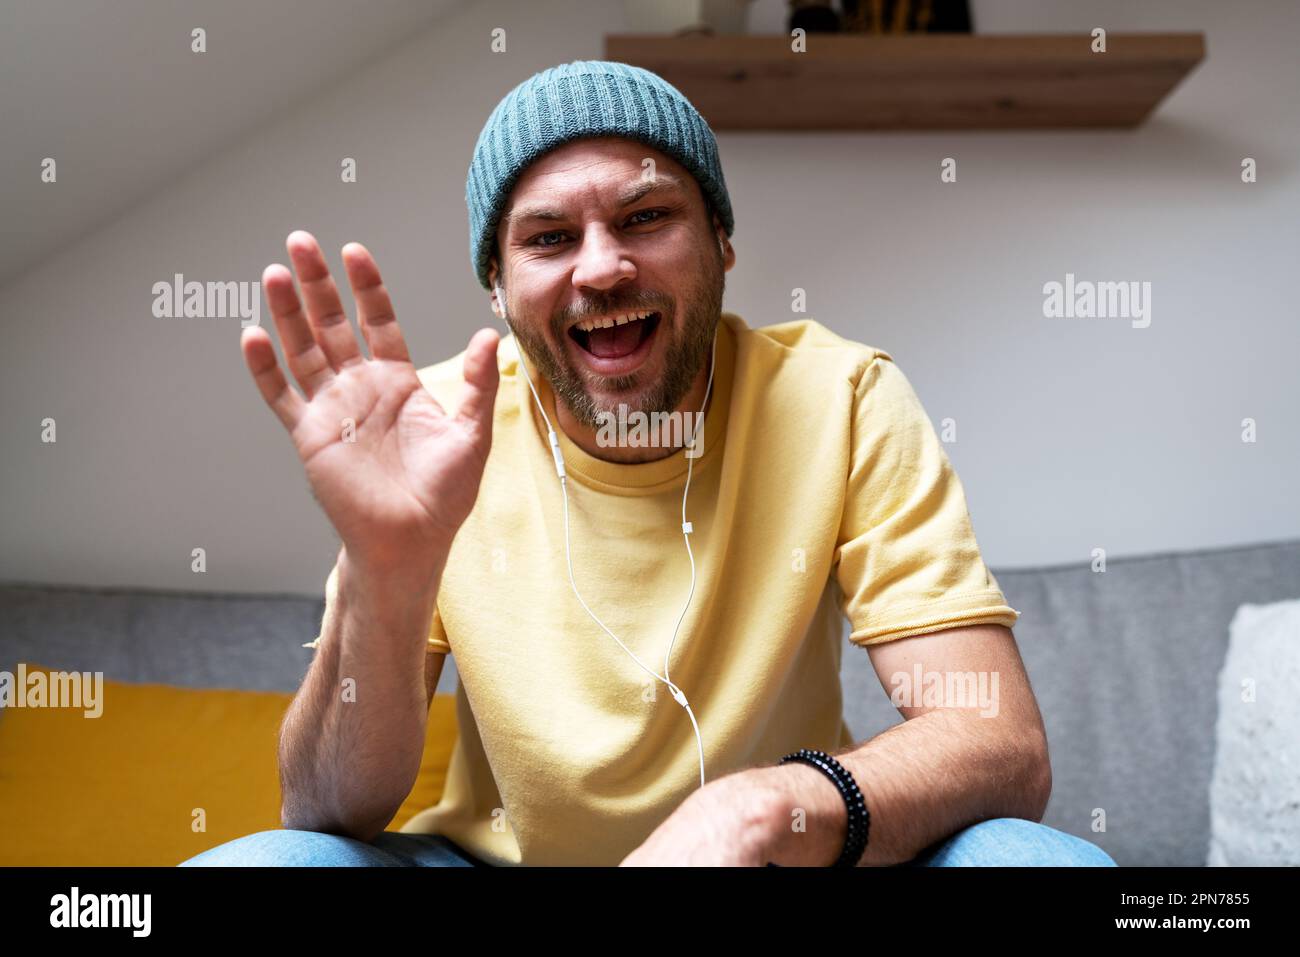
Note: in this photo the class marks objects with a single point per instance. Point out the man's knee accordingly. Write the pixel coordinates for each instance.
(1016, 842)
(290, 848)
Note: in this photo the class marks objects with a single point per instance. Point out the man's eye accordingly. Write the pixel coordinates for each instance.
(653, 214)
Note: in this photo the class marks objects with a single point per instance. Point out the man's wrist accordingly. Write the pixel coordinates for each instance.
(392, 574)
(806, 815)
(399, 601)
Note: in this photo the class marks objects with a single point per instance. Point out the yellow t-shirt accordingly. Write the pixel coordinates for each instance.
(821, 489)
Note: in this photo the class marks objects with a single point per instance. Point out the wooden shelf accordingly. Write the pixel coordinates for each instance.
(921, 82)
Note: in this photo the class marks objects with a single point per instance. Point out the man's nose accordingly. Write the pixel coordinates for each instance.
(602, 261)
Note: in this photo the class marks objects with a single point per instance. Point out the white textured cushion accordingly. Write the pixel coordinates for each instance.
(1255, 786)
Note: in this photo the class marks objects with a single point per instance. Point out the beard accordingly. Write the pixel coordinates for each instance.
(686, 351)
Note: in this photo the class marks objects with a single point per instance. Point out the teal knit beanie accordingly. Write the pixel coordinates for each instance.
(576, 100)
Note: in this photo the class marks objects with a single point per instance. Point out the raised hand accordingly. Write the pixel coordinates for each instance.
(395, 473)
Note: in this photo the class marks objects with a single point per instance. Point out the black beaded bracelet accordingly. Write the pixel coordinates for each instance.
(855, 838)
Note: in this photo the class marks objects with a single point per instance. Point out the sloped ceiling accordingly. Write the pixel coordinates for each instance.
(112, 91)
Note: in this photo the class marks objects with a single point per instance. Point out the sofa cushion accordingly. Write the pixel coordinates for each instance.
(122, 789)
(1255, 787)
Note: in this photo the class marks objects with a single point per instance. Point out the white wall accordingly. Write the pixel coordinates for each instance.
(1072, 434)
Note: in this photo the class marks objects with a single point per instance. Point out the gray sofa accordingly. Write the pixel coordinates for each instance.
(1125, 665)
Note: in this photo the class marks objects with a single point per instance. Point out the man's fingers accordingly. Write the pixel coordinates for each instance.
(329, 323)
(374, 308)
(259, 355)
(478, 396)
(307, 361)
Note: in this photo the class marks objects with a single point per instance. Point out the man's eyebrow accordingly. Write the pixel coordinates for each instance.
(638, 190)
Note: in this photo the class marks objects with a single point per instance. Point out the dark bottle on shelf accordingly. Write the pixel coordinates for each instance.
(813, 16)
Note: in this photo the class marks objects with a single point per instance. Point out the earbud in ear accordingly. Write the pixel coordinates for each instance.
(501, 301)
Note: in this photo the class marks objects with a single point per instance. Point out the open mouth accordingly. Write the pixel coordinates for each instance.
(610, 340)
(616, 350)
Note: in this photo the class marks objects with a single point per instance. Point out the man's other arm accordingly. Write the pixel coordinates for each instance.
(943, 769)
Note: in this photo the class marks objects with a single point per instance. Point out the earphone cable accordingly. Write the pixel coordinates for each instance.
(678, 695)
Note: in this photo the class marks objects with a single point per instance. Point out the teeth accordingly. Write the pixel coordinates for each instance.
(605, 322)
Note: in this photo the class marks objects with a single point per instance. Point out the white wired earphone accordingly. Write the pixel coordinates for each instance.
(677, 693)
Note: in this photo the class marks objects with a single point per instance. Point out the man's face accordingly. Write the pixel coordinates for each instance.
(614, 275)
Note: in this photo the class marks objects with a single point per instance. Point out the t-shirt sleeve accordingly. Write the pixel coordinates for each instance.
(438, 642)
(907, 562)
(437, 639)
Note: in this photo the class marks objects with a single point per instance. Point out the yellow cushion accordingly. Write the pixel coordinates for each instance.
(122, 789)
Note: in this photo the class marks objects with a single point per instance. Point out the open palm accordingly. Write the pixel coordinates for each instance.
(396, 474)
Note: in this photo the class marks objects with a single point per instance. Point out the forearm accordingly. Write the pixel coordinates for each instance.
(350, 750)
(922, 780)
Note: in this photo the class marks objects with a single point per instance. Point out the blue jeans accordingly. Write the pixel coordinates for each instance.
(1000, 842)
(1011, 842)
(287, 848)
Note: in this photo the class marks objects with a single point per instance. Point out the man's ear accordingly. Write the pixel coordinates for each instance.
(493, 277)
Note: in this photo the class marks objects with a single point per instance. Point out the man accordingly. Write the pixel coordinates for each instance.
(600, 222)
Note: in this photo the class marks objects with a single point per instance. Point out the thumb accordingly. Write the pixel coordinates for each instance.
(478, 396)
